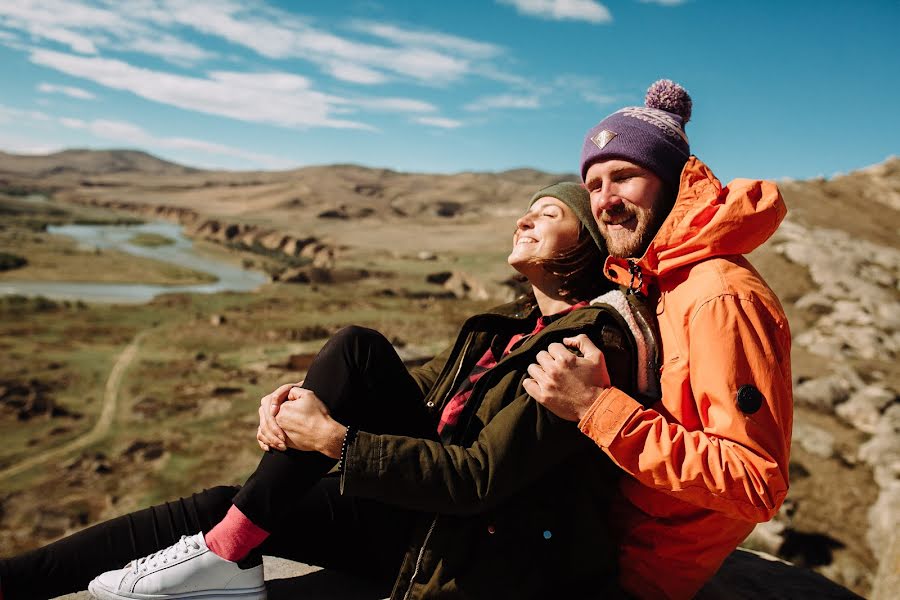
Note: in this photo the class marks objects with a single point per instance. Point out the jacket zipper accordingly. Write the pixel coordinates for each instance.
(412, 580)
(467, 325)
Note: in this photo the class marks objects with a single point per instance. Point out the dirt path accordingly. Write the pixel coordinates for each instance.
(101, 427)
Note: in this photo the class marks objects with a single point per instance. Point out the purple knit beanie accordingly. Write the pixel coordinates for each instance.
(651, 136)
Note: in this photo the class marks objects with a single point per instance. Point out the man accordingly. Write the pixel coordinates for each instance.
(708, 459)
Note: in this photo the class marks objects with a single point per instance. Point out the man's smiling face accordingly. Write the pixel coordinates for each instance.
(628, 204)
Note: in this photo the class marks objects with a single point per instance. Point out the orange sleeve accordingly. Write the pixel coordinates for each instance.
(735, 462)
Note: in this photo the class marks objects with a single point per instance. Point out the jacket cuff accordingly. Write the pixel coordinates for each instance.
(363, 461)
(607, 415)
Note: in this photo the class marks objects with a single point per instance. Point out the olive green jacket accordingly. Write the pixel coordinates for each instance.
(516, 506)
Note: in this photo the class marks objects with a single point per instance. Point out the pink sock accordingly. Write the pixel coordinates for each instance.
(234, 536)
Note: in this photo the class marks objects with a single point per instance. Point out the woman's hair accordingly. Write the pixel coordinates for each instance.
(579, 268)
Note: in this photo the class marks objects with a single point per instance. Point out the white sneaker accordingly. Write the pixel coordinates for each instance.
(184, 570)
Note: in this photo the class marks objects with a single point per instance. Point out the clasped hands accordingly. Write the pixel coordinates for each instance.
(563, 382)
(293, 417)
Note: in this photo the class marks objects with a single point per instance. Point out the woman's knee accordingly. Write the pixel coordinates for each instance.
(355, 336)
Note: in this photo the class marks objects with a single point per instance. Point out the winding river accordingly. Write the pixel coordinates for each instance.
(181, 252)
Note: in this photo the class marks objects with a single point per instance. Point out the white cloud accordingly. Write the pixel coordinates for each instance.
(149, 27)
(599, 99)
(275, 98)
(589, 89)
(86, 28)
(354, 73)
(9, 114)
(72, 92)
(278, 35)
(122, 132)
(365, 53)
(134, 135)
(428, 39)
(20, 145)
(441, 122)
(407, 105)
(170, 48)
(503, 101)
(559, 10)
(72, 123)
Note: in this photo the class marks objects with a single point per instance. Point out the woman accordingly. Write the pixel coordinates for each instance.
(449, 474)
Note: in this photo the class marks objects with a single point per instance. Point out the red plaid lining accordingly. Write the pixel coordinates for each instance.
(451, 412)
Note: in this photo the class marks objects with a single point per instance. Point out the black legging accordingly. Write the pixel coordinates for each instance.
(359, 376)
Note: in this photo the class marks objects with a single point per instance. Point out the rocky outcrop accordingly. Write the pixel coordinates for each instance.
(244, 236)
(316, 275)
(745, 575)
(463, 285)
(31, 399)
(853, 313)
(749, 575)
(856, 292)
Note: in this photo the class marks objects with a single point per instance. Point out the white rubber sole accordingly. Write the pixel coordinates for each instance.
(101, 593)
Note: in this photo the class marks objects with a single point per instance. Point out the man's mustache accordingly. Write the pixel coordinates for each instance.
(616, 214)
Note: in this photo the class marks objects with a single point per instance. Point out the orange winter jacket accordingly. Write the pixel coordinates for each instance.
(711, 458)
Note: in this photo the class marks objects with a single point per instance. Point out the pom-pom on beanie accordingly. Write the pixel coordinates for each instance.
(651, 136)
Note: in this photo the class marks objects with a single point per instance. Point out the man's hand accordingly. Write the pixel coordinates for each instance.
(308, 425)
(269, 435)
(567, 384)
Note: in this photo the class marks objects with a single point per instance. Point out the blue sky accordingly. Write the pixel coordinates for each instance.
(780, 89)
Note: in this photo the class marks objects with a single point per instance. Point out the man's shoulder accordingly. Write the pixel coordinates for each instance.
(730, 277)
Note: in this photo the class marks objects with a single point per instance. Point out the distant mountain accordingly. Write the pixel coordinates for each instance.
(89, 162)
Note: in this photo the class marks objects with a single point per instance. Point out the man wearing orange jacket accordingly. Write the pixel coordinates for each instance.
(708, 459)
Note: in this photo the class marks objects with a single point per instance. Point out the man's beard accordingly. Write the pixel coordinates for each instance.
(632, 244)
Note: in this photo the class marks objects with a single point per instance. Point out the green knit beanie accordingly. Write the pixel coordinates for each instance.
(579, 200)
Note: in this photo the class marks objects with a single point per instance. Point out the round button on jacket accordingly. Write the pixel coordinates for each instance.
(749, 399)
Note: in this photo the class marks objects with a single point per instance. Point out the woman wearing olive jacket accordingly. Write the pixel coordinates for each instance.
(450, 473)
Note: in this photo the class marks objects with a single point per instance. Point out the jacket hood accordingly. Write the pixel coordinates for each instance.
(709, 220)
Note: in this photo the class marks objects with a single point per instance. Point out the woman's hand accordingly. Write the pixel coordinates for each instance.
(269, 435)
(307, 424)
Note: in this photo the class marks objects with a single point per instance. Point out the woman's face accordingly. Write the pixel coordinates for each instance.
(548, 228)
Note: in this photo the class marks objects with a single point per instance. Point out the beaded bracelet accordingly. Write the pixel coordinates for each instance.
(349, 436)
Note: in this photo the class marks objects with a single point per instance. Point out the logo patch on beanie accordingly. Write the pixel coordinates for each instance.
(603, 138)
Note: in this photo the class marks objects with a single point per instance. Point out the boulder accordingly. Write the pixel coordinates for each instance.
(863, 409)
(884, 518)
(887, 579)
(882, 450)
(462, 285)
(826, 392)
(439, 278)
(750, 575)
(814, 440)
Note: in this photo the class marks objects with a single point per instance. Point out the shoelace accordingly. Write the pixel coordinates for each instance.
(183, 546)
